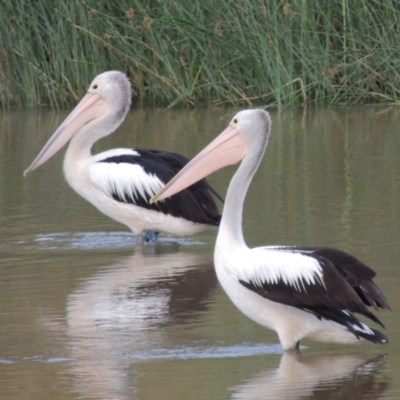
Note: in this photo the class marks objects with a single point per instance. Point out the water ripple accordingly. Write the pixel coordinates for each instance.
(99, 240)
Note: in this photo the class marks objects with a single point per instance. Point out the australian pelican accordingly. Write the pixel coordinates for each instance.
(120, 182)
(300, 292)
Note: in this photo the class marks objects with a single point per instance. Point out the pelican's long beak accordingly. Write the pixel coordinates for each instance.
(90, 107)
(226, 149)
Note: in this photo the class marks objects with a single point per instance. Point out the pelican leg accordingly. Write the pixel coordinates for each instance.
(297, 347)
(149, 236)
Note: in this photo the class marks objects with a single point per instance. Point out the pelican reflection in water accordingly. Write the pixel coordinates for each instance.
(124, 315)
(325, 377)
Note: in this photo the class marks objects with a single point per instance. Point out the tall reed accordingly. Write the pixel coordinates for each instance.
(194, 52)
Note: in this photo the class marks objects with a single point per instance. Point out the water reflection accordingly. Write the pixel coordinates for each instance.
(355, 376)
(123, 314)
(331, 177)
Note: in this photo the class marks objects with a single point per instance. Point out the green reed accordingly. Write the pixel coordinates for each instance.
(248, 52)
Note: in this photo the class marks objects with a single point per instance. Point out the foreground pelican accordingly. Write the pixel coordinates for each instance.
(120, 182)
(300, 292)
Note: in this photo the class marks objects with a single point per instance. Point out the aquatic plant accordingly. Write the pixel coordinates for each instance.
(248, 52)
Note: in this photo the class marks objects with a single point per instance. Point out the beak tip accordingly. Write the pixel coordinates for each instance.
(26, 172)
(156, 197)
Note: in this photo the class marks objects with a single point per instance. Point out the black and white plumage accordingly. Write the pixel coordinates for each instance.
(148, 169)
(120, 182)
(331, 284)
(300, 292)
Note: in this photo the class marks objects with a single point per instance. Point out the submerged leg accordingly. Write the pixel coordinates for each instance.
(149, 236)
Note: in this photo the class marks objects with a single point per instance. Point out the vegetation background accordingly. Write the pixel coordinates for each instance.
(238, 52)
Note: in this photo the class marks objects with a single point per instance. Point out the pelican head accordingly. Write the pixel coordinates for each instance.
(103, 109)
(247, 133)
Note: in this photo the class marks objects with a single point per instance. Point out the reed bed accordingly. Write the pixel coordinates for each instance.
(186, 52)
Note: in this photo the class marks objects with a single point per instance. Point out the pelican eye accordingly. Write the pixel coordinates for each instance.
(235, 121)
(95, 87)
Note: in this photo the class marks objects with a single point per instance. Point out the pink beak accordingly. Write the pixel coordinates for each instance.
(227, 149)
(90, 107)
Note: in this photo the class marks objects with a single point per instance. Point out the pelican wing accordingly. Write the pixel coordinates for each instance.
(311, 279)
(356, 273)
(134, 176)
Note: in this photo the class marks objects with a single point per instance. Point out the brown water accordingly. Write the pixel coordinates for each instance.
(86, 313)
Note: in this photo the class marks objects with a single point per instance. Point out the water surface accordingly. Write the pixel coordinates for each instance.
(87, 312)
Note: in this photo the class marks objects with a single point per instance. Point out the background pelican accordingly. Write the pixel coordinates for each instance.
(120, 182)
(300, 292)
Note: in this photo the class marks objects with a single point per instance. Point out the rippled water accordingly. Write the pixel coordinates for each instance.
(87, 312)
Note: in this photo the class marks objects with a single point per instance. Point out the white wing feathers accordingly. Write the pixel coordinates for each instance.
(126, 180)
(269, 266)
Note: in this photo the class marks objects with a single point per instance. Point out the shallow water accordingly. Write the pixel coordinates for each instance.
(87, 312)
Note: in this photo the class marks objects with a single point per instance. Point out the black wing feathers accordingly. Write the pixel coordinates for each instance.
(177, 162)
(194, 203)
(357, 274)
(347, 285)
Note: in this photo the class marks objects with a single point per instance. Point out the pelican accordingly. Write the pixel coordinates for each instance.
(299, 292)
(120, 182)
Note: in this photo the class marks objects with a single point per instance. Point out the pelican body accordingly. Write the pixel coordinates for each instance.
(120, 182)
(299, 292)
